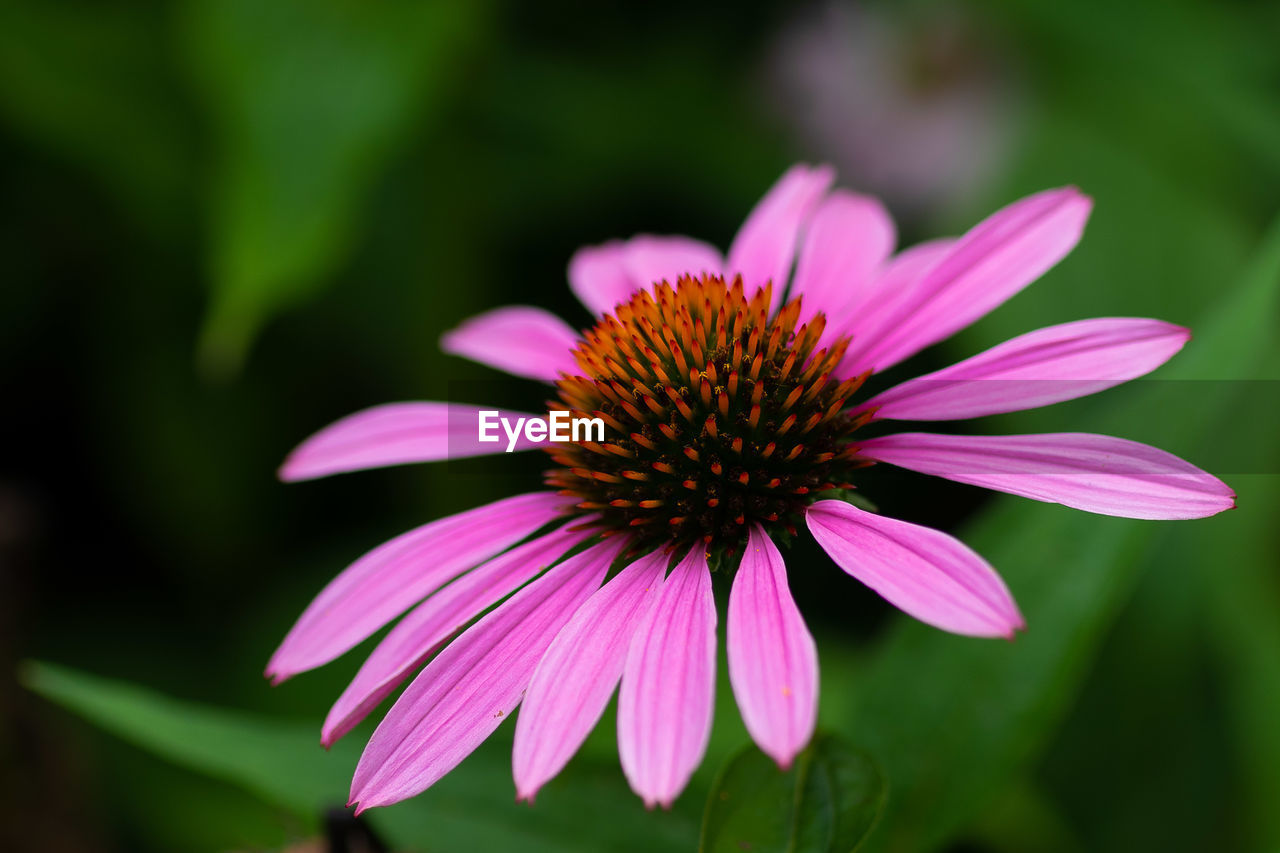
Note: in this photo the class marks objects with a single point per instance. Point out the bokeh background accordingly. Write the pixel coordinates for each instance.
(226, 223)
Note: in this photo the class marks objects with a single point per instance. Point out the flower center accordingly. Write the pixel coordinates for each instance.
(716, 415)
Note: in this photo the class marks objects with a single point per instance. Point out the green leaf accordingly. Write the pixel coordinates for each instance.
(1244, 614)
(828, 802)
(1235, 563)
(279, 761)
(282, 762)
(309, 100)
(1213, 56)
(91, 84)
(953, 720)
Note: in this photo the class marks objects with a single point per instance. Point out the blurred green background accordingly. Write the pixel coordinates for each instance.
(228, 222)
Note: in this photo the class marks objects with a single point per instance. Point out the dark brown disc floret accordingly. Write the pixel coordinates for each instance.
(718, 413)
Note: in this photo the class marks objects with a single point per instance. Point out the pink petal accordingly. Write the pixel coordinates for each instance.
(473, 684)
(765, 245)
(930, 575)
(577, 675)
(518, 339)
(395, 434)
(416, 637)
(847, 240)
(598, 277)
(996, 259)
(602, 276)
(773, 662)
(394, 576)
(668, 685)
(869, 320)
(1045, 366)
(1095, 473)
(650, 259)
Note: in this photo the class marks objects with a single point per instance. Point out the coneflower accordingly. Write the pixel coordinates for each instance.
(729, 391)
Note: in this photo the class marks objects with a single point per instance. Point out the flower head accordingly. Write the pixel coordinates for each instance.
(723, 415)
(730, 392)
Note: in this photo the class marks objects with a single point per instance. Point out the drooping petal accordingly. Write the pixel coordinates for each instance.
(1036, 369)
(575, 678)
(988, 265)
(1095, 473)
(394, 576)
(930, 575)
(773, 662)
(518, 339)
(416, 637)
(668, 685)
(473, 684)
(598, 276)
(397, 434)
(869, 320)
(847, 240)
(649, 259)
(765, 245)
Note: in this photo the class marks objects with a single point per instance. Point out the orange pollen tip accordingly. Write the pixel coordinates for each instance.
(719, 412)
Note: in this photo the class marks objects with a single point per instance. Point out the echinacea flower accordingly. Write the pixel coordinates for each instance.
(917, 108)
(729, 389)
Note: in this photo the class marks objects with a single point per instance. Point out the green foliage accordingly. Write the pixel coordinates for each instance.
(827, 802)
(178, 175)
(71, 73)
(952, 721)
(282, 762)
(279, 761)
(308, 101)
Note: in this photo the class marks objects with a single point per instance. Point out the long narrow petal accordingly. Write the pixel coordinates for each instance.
(397, 434)
(930, 575)
(765, 245)
(668, 685)
(847, 240)
(473, 684)
(649, 259)
(871, 319)
(575, 678)
(1095, 473)
(420, 634)
(773, 662)
(1036, 369)
(517, 339)
(394, 576)
(988, 265)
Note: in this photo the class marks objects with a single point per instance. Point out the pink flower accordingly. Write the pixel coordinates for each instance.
(920, 108)
(731, 418)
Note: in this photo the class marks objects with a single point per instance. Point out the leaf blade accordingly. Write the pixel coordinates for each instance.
(828, 802)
